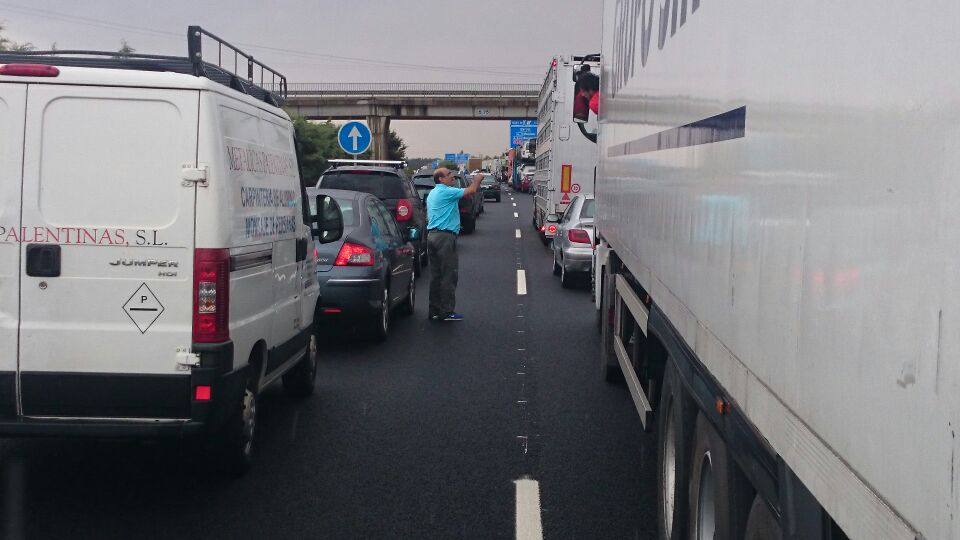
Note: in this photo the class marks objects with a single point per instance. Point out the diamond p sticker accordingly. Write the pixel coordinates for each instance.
(143, 308)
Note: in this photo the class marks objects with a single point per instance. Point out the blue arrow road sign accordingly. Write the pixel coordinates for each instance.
(354, 138)
(521, 131)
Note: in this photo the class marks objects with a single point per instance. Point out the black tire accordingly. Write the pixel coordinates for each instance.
(469, 225)
(236, 444)
(566, 280)
(716, 491)
(556, 266)
(609, 365)
(761, 523)
(498, 197)
(676, 415)
(380, 321)
(299, 382)
(406, 308)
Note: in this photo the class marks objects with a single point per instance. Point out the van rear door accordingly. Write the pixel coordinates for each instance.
(107, 252)
(13, 101)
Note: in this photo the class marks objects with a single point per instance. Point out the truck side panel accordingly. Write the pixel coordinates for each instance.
(794, 215)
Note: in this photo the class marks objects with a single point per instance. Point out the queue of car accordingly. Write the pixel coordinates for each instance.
(370, 272)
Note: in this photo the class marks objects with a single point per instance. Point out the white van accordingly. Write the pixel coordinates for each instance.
(154, 274)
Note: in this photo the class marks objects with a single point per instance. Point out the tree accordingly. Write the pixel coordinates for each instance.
(318, 143)
(396, 148)
(8, 45)
(446, 164)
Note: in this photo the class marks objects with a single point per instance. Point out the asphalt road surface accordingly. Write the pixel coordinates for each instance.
(424, 436)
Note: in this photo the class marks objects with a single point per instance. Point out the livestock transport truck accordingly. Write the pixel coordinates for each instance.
(778, 278)
(566, 158)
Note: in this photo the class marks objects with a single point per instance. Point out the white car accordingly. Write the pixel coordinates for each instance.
(154, 274)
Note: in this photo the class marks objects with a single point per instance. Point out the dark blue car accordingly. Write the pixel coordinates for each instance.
(368, 273)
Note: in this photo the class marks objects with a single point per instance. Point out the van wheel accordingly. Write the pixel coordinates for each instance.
(675, 417)
(715, 488)
(380, 325)
(300, 380)
(236, 446)
(566, 280)
(411, 300)
(762, 525)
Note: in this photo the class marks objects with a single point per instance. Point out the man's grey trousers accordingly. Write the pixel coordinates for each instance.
(442, 249)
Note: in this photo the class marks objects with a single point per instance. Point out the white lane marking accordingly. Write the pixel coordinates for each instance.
(521, 282)
(529, 524)
(516, 215)
(518, 233)
(514, 204)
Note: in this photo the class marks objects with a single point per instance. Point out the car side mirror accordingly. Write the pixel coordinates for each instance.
(553, 218)
(328, 221)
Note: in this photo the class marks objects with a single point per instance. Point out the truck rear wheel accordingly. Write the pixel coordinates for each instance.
(716, 490)
(675, 418)
(235, 445)
(762, 525)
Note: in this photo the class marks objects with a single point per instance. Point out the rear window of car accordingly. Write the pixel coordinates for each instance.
(588, 208)
(487, 180)
(424, 182)
(383, 185)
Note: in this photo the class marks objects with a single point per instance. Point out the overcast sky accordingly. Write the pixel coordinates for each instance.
(344, 41)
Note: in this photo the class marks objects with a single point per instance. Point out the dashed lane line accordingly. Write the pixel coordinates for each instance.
(516, 215)
(529, 522)
(518, 233)
(521, 282)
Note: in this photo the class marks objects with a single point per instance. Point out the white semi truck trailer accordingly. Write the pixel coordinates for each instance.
(778, 276)
(566, 157)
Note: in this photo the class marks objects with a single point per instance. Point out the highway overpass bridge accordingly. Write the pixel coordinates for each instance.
(378, 103)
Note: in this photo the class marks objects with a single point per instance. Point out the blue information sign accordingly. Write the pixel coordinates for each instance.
(354, 138)
(459, 159)
(521, 131)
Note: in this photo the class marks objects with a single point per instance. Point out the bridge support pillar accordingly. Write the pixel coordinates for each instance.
(380, 131)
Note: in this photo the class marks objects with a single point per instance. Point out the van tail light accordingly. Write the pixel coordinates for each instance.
(354, 255)
(211, 295)
(29, 70)
(404, 210)
(578, 236)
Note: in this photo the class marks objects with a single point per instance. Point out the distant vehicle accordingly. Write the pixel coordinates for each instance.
(154, 278)
(423, 183)
(387, 181)
(526, 183)
(573, 240)
(566, 158)
(370, 270)
(490, 188)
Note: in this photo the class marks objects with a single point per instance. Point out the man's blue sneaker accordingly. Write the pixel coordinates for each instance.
(453, 317)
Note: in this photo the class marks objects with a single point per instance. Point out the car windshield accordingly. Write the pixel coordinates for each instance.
(346, 206)
(383, 185)
(487, 181)
(587, 210)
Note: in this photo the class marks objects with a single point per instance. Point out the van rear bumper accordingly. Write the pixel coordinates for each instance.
(123, 405)
(139, 429)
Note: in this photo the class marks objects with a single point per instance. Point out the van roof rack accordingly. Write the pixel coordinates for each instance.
(193, 64)
(334, 163)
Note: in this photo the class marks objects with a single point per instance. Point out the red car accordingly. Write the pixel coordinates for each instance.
(526, 183)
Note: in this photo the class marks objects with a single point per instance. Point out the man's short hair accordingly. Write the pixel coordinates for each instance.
(587, 81)
(437, 175)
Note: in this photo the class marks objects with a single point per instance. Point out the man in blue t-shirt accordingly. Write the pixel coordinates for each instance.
(443, 224)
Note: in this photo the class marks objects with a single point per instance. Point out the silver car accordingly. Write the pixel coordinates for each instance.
(574, 240)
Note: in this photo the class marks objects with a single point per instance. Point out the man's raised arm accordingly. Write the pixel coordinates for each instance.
(474, 186)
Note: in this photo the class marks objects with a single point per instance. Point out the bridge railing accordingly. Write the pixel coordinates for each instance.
(460, 89)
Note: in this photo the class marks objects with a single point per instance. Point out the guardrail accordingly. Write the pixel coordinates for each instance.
(431, 89)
